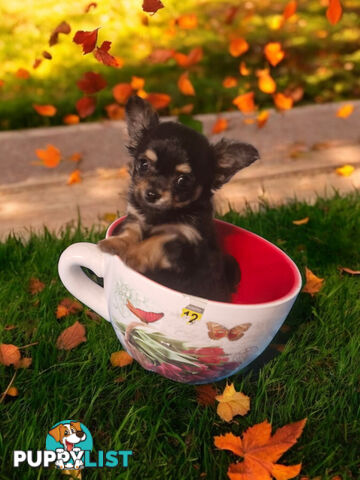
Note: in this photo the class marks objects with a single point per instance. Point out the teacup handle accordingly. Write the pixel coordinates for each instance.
(86, 255)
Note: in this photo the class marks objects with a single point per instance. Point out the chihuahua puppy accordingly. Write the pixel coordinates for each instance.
(168, 234)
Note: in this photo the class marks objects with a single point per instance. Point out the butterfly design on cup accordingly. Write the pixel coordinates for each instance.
(217, 331)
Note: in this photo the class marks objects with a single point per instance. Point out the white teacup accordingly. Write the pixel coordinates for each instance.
(185, 338)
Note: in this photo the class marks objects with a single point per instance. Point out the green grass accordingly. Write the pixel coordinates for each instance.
(322, 59)
(316, 376)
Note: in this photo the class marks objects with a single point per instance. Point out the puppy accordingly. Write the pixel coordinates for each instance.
(168, 234)
(68, 434)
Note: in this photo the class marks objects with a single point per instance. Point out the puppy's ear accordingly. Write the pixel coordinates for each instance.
(230, 157)
(58, 432)
(140, 116)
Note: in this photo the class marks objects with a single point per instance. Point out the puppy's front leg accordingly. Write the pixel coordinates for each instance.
(119, 244)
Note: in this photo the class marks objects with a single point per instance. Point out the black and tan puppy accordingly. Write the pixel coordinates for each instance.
(168, 234)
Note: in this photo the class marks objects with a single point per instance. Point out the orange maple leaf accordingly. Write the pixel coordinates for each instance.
(290, 9)
(137, 83)
(283, 102)
(71, 337)
(74, 177)
(158, 100)
(313, 283)
(274, 53)
(262, 118)
(9, 354)
(186, 61)
(232, 403)
(115, 112)
(50, 157)
(334, 11)
(120, 359)
(122, 92)
(229, 82)
(187, 22)
(102, 55)
(238, 46)
(261, 450)
(220, 125)
(243, 69)
(71, 119)
(245, 102)
(266, 83)
(185, 85)
(45, 110)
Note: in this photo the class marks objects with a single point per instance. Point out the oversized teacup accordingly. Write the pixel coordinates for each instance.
(182, 337)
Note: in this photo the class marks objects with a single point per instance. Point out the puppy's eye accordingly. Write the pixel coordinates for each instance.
(67, 432)
(143, 165)
(183, 181)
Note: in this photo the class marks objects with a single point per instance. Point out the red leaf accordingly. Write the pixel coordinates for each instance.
(63, 27)
(47, 55)
(45, 110)
(122, 92)
(334, 11)
(85, 106)
(205, 394)
(161, 55)
(102, 55)
(22, 73)
(86, 39)
(152, 6)
(91, 82)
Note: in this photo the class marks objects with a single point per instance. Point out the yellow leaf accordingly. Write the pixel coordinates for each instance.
(345, 171)
(313, 283)
(345, 111)
(303, 221)
(232, 403)
(266, 83)
(120, 359)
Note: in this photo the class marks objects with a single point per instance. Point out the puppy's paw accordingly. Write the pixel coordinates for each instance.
(114, 246)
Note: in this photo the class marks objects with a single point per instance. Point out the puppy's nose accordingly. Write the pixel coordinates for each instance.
(80, 434)
(151, 196)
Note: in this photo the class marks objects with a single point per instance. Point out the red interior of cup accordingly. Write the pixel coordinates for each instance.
(267, 274)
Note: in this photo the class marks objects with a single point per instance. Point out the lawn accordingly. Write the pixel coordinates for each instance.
(315, 376)
(321, 64)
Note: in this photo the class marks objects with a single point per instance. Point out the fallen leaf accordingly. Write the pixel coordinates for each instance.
(86, 39)
(68, 306)
(22, 73)
(262, 118)
(245, 102)
(187, 22)
(345, 111)
(122, 92)
(303, 221)
(115, 111)
(12, 392)
(266, 83)
(47, 55)
(75, 157)
(45, 110)
(220, 125)
(74, 177)
(61, 311)
(35, 286)
(334, 11)
(89, 6)
(274, 53)
(229, 82)
(93, 316)
(120, 359)
(9, 354)
(23, 362)
(243, 69)
(349, 271)
(232, 403)
(345, 171)
(313, 283)
(185, 85)
(205, 394)
(71, 119)
(186, 61)
(137, 83)
(161, 55)
(91, 82)
(36, 63)
(290, 9)
(280, 347)
(85, 106)
(102, 55)
(238, 46)
(50, 157)
(185, 109)
(152, 6)
(119, 379)
(71, 337)
(9, 327)
(261, 450)
(158, 100)
(64, 28)
(283, 102)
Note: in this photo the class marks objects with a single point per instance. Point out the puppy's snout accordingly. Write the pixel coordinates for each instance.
(152, 195)
(80, 434)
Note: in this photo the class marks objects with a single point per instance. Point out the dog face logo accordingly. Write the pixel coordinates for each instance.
(69, 439)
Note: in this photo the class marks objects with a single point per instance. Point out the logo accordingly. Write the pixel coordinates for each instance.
(69, 446)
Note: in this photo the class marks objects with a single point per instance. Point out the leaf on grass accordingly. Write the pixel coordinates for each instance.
(122, 92)
(74, 177)
(238, 46)
(266, 83)
(22, 73)
(345, 111)
(71, 119)
(9, 327)
(86, 39)
(64, 28)
(50, 157)
(152, 6)
(120, 359)
(349, 271)
(93, 316)
(68, 306)
(245, 102)
(302, 221)
(274, 53)
(9, 354)
(12, 392)
(313, 283)
(205, 394)
(45, 110)
(85, 106)
(35, 286)
(345, 171)
(262, 118)
(283, 102)
(220, 125)
(243, 69)
(91, 82)
(261, 450)
(185, 85)
(229, 82)
(89, 6)
(232, 403)
(290, 9)
(115, 111)
(186, 61)
(102, 55)
(71, 337)
(334, 11)
(23, 362)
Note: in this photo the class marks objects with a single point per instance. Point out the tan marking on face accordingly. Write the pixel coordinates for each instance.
(179, 230)
(183, 168)
(149, 254)
(151, 155)
(196, 195)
